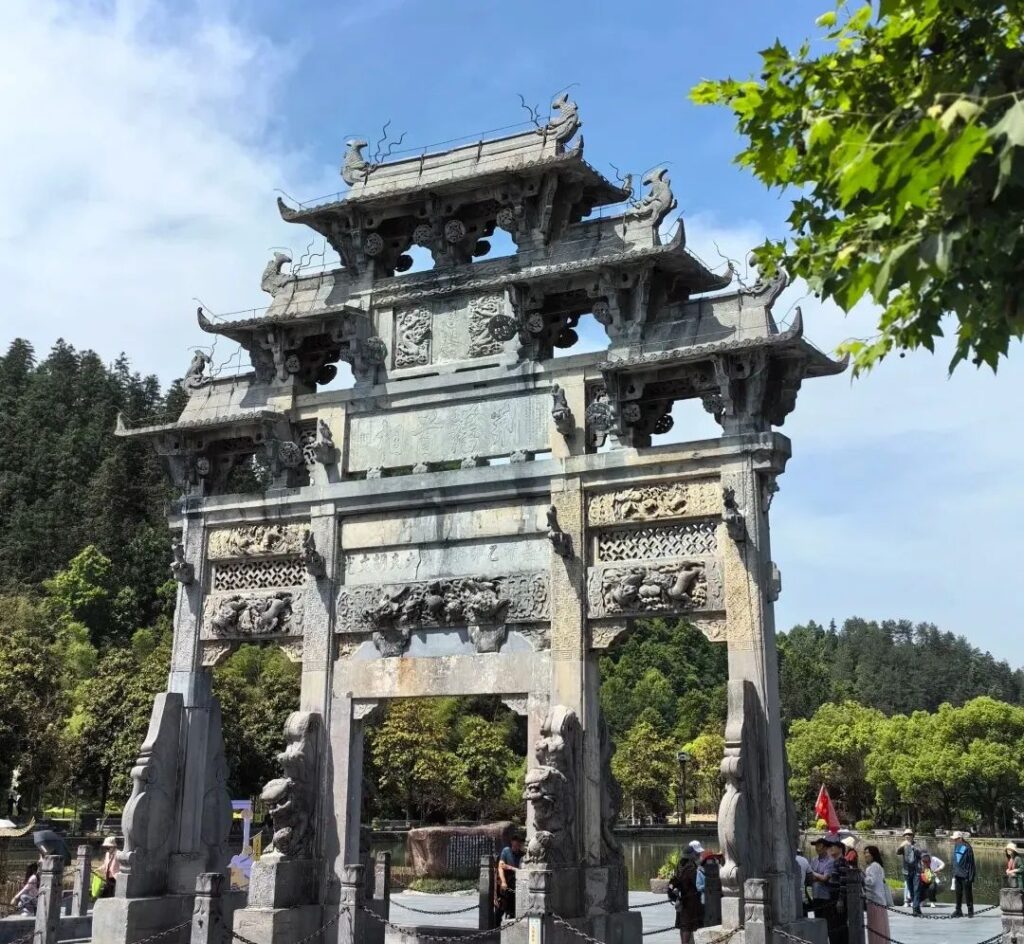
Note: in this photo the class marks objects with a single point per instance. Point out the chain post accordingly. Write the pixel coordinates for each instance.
(855, 905)
(1011, 904)
(382, 882)
(48, 904)
(80, 895)
(487, 892)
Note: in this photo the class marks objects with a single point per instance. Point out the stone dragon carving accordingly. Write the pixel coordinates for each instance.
(181, 569)
(664, 587)
(561, 543)
(551, 788)
(324, 450)
(561, 414)
(355, 168)
(258, 540)
(195, 376)
(565, 121)
(412, 338)
(658, 202)
(655, 502)
(273, 279)
(312, 559)
(293, 796)
(240, 615)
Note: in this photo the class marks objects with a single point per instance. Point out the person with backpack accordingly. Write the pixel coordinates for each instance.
(964, 873)
(911, 854)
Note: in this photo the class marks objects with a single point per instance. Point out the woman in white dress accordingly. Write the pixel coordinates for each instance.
(877, 895)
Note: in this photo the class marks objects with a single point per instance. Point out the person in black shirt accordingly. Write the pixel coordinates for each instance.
(508, 864)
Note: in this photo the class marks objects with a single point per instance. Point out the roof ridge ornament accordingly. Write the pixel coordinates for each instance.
(565, 121)
(356, 168)
(273, 279)
(659, 200)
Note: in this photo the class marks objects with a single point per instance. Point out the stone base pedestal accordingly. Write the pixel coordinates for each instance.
(808, 929)
(282, 883)
(622, 927)
(273, 925)
(124, 920)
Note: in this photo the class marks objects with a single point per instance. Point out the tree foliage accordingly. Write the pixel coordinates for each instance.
(902, 143)
(645, 766)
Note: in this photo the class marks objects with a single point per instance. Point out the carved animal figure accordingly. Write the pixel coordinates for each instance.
(684, 581)
(273, 279)
(627, 592)
(274, 612)
(566, 120)
(194, 377)
(355, 167)
(658, 202)
(226, 618)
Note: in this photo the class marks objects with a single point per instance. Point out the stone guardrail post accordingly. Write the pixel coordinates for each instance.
(382, 883)
(78, 904)
(208, 925)
(855, 906)
(757, 916)
(486, 909)
(1011, 902)
(353, 922)
(48, 905)
(712, 894)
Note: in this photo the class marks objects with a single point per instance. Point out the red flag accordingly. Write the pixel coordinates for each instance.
(824, 809)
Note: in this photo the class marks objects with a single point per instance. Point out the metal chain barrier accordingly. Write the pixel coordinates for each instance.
(446, 939)
(941, 917)
(650, 904)
(472, 907)
(892, 940)
(165, 933)
(671, 927)
(302, 940)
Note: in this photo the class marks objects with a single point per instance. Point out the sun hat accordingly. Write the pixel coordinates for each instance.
(957, 835)
(850, 842)
(908, 832)
(1012, 847)
(695, 847)
(110, 843)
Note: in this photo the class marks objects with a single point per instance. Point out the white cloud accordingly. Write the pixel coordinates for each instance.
(136, 173)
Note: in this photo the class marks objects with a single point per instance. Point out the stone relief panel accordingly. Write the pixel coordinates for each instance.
(258, 540)
(696, 498)
(412, 337)
(252, 615)
(674, 540)
(511, 598)
(408, 564)
(671, 587)
(445, 433)
(481, 310)
(258, 574)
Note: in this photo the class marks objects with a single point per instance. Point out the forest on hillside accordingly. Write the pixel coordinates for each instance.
(85, 613)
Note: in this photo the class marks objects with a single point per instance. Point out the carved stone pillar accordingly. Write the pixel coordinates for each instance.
(767, 849)
(486, 892)
(855, 905)
(81, 893)
(382, 883)
(1011, 903)
(208, 924)
(757, 912)
(354, 925)
(51, 883)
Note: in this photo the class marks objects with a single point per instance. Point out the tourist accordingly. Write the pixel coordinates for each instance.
(877, 895)
(1014, 866)
(838, 930)
(109, 868)
(964, 873)
(803, 866)
(911, 854)
(696, 852)
(683, 893)
(930, 867)
(508, 864)
(850, 851)
(26, 899)
(822, 868)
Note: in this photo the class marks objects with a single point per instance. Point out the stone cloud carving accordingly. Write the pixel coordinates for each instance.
(293, 796)
(551, 789)
(248, 615)
(653, 502)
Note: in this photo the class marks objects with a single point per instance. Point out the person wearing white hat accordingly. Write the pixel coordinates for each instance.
(1014, 866)
(911, 854)
(964, 873)
(110, 867)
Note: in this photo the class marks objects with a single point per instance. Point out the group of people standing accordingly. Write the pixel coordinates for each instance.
(27, 897)
(687, 888)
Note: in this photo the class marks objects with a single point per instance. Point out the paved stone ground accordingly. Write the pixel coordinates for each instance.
(905, 928)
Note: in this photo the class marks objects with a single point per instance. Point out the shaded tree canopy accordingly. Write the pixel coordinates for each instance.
(900, 136)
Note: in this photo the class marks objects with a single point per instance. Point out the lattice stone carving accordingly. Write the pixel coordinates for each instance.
(258, 574)
(673, 540)
(481, 310)
(446, 602)
(671, 587)
(652, 502)
(258, 540)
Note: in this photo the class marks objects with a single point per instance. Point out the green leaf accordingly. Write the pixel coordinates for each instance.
(882, 279)
(821, 132)
(826, 19)
(1012, 124)
(961, 153)
(962, 109)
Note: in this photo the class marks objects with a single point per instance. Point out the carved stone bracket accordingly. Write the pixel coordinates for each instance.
(551, 789)
(181, 569)
(312, 559)
(561, 415)
(774, 582)
(603, 635)
(324, 450)
(364, 709)
(293, 796)
(664, 587)
(561, 543)
(735, 522)
(519, 704)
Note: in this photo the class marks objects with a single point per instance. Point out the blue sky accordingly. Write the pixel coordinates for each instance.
(145, 141)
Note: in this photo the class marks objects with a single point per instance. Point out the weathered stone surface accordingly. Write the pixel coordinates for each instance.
(454, 851)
